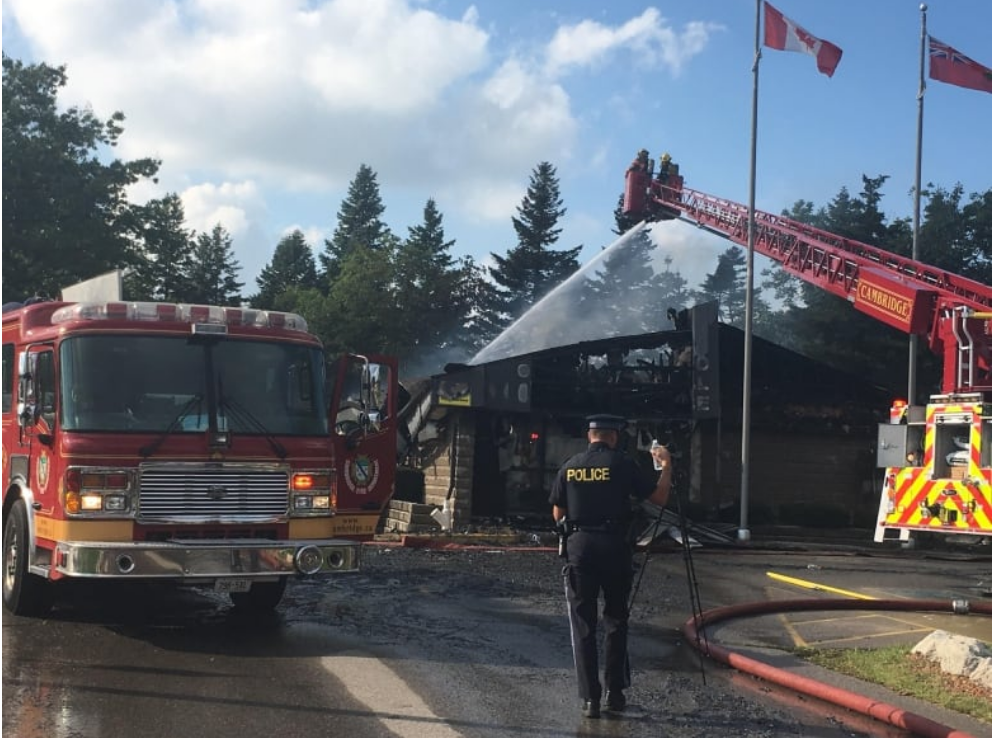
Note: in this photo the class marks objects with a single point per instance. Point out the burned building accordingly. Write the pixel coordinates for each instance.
(490, 436)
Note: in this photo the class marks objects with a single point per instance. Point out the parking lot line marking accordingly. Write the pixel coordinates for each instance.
(796, 637)
(837, 618)
(871, 636)
(818, 587)
(387, 696)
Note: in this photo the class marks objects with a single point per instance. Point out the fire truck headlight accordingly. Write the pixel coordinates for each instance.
(91, 503)
(115, 503)
(321, 502)
(302, 502)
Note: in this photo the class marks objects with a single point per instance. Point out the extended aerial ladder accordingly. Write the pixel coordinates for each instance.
(937, 458)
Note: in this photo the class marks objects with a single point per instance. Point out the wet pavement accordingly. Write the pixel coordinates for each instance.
(469, 642)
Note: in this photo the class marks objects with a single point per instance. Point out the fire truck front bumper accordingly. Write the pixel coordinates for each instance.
(204, 559)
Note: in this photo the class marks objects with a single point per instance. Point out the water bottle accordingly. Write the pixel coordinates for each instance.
(656, 464)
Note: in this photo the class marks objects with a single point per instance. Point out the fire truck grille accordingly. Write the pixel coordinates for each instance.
(222, 495)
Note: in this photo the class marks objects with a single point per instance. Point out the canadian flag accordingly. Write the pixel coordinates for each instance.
(784, 34)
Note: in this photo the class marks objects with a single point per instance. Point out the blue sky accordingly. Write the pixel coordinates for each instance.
(262, 112)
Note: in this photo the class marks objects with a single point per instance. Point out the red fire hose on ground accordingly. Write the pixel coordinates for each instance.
(898, 717)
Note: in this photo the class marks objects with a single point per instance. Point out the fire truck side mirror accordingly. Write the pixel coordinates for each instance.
(27, 408)
(373, 421)
(23, 414)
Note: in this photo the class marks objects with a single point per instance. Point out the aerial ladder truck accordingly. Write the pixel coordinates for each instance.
(937, 458)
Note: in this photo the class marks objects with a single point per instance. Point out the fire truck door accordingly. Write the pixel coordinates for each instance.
(364, 433)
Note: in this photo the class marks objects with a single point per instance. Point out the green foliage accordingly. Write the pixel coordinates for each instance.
(905, 673)
(165, 252)
(214, 270)
(66, 218)
(312, 304)
(623, 223)
(292, 265)
(957, 239)
(727, 286)
(826, 327)
(65, 213)
(627, 296)
(362, 313)
(359, 223)
(485, 319)
(531, 269)
(434, 303)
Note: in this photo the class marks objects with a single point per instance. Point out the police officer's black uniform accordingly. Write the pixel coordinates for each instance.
(594, 488)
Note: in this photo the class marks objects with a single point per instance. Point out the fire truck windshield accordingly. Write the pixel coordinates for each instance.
(142, 384)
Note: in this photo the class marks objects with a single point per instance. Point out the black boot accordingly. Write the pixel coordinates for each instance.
(615, 701)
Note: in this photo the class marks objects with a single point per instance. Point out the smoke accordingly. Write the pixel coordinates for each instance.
(625, 290)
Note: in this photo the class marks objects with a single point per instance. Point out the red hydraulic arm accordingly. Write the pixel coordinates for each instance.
(952, 311)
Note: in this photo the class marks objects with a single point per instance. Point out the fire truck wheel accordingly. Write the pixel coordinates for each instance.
(23, 593)
(261, 597)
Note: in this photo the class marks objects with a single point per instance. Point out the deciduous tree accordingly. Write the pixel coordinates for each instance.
(65, 213)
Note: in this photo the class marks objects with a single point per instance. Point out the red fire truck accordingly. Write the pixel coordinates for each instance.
(197, 444)
(938, 457)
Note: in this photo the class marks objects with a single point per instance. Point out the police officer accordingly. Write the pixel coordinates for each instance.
(590, 498)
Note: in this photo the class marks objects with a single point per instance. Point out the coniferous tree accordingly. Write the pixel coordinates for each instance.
(622, 298)
(825, 326)
(623, 223)
(953, 238)
(292, 265)
(531, 269)
(978, 233)
(66, 216)
(359, 224)
(163, 269)
(727, 285)
(214, 270)
(477, 293)
(361, 309)
(432, 302)
(671, 292)
(362, 312)
(667, 290)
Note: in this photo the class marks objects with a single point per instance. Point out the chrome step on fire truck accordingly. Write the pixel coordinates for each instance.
(204, 445)
(937, 458)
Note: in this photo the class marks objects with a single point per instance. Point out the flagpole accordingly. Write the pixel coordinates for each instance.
(743, 534)
(917, 191)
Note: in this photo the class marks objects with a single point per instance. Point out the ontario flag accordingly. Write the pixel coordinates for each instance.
(946, 64)
(784, 34)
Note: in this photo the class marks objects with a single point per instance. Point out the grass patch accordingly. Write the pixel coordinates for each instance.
(907, 674)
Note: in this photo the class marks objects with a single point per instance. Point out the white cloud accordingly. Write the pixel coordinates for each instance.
(233, 205)
(299, 94)
(488, 201)
(246, 102)
(647, 36)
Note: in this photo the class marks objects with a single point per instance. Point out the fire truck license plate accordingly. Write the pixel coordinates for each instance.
(232, 585)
